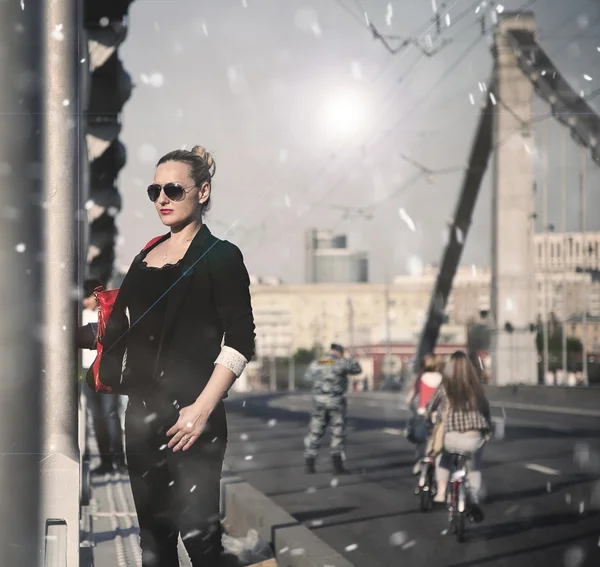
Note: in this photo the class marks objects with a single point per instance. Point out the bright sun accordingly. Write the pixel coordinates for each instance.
(344, 113)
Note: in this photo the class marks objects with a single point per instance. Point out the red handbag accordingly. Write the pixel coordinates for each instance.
(106, 301)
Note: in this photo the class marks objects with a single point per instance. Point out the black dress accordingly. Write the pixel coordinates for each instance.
(207, 305)
(173, 492)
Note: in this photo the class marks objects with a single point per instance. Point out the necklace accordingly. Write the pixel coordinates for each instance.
(167, 252)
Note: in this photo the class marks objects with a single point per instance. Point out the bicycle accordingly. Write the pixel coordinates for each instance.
(457, 495)
(427, 487)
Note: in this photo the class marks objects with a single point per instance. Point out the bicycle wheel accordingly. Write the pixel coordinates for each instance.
(426, 499)
(459, 526)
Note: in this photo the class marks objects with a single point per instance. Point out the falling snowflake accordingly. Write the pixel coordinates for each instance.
(398, 538)
(447, 20)
(193, 488)
(587, 77)
(248, 457)
(244, 437)
(288, 203)
(356, 70)
(147, 153)
(311, 490)
(163, 447)
(472, 99)
(389, 14)
(245, 3)
(272, 422)
(316, 523)
(204, 29)
(150, 418)
(58, 34)
(406, 218)
(415, 266)
(334, 482)
(493, 99)
(499, 8)
(296, 552)
(409, 544)
(351, 547)
(104, 22)
(22, 4)
(21, 247)
(192, 533)
(574, 557)
(460, 238)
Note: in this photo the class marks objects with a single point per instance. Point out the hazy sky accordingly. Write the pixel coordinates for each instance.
(260, 84)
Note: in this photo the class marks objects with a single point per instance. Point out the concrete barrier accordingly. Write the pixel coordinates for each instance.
(245, 508)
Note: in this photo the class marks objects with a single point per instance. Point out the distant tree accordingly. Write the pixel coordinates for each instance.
(555, 331)
(479, 337)
(305, 355)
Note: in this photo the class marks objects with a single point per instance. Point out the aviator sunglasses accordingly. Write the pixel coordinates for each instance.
(173, 191)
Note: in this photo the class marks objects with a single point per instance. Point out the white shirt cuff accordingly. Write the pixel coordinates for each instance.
(232, 359)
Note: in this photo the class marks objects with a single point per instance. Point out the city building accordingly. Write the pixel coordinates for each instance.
(329, 260)
(568, 251)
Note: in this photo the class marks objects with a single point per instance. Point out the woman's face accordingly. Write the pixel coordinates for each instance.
(174, 213)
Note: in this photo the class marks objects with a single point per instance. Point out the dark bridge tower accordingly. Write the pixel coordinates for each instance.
(513, 280)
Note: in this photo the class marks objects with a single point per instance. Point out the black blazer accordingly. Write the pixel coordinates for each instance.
(210, 300)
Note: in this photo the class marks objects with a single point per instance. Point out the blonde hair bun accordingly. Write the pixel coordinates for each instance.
(205, 155)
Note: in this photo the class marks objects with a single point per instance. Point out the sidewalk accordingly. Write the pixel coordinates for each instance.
(111, 522)
(110, 528)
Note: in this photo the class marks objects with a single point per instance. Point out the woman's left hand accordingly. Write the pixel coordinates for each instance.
(189, 426)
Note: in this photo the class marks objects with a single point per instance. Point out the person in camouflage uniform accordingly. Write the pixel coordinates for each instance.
(329, 378)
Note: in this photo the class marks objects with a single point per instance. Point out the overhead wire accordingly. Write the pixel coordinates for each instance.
(378, 78)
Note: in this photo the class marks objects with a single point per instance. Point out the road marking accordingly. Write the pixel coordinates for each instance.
(542, 469)
(393, 431)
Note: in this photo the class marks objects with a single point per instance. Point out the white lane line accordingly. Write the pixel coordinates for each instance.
(542, 469)
(391, 431)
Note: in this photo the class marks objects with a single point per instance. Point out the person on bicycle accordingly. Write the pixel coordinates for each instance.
(461, 404)
(424, 387)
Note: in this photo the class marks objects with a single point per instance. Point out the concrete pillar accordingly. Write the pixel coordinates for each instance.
(513, 297)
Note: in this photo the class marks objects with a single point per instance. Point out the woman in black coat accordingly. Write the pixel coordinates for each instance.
(181, 331)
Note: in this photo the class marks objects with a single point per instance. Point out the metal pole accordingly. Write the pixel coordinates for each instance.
(565, 313)
(388, 324)
(273, 374)
(21, 257)
(292, 374)
(545, 264)
(585, 257)
(60, 477)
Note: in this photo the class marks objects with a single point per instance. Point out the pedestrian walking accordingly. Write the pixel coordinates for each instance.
(180, 332)
(329, 378)
(103, 407)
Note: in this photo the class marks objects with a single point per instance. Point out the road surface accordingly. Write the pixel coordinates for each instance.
(542, 486)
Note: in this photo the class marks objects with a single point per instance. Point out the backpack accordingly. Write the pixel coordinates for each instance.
(106, 301)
